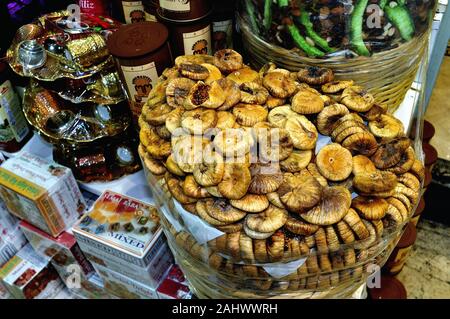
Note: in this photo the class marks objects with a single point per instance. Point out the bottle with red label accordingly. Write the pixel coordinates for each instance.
(14, 130)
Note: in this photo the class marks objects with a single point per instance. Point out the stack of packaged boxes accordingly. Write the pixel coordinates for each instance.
(46, 197)
(115, 250)
(123, 239)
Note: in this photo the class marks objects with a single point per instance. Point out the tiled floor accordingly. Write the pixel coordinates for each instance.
(427, 270)
(439, 109)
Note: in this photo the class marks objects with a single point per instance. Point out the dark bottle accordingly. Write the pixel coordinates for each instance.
(223, 23)
(14, 130)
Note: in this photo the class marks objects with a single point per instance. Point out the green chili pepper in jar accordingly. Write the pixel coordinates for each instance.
(267, 20)
(401, 19)
(301, 42)
(251, 15)
(356, 21)
(322, 43)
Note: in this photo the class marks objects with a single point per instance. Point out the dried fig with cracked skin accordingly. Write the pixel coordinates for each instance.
(356, 98)
(214, 191)
(193, 71)
(163, 132)
(404, 199)
(204, 95)
(267, 221)
(300, 227)
(175, 188)
(306, 102)
(299, 192)
(265, 178)
(193, 189)
(178, 90)
(343, 125)
(412, 195)
(410, 181)
(274, 144)
(199, 120)
(154, 166)
(231, 228)
(233, 142)
(251, 203)
(361, 143)
(332, 239)
(266, 68)
(400, 207)
(187, 150)
(228, 60)
(386, 126)
(221, 209)
(352, 219)
(405, 163)
(225, 120)
(247, 255)
(328, 117)
(273, 102)
(275, 246)
(393, 217)
(349, 132)
(275, 200)
(336, 86)
(370, 208)
(296, 161)
(214, 73)
(197, 59)
(211, 171)
(332, 207)
(191, 208)
(390, 152)
(155, 146)
(256, 235)
(379, 228)
(158, 114)
(244, 75)
(249, 114)
(375, 182)
(345, 232)
(375, 111)
(303, 133)
(367, 242)
(279, 84)
(334, 162)
(278, 116)
(173, 119)
(362, 164)
(313, 75)
(418, 170)
(314, 171)
(253, 93)
(173, 167)
(232, 93)
(203, 213)
(235, 182)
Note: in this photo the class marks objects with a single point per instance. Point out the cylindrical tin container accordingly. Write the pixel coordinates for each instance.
(134, 12)
(419, 210)
(390, 288)
(222, 24)
(142, 53)
(400, 253)
(184, 9)
(188, 37)
(150, 7)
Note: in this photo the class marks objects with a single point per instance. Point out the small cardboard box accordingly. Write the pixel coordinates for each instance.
(43, 193)
(170, 289)
(124, 287)
(63, 249)
(11, 237)
(124, 235)
(30, 276)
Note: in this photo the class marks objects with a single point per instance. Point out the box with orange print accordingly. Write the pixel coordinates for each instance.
(124, 235)
(42, 192)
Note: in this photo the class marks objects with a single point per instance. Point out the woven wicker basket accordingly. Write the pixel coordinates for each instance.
(388, 75)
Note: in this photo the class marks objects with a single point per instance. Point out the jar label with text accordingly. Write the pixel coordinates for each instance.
(133, 11)
(176, 5)
(222, 35)
(198, 42)
(13, 124)
(139, 81)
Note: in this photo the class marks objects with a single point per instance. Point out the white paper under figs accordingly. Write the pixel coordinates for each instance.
(201, 230)
(279, 270)
(171, 220)
(322, 140)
